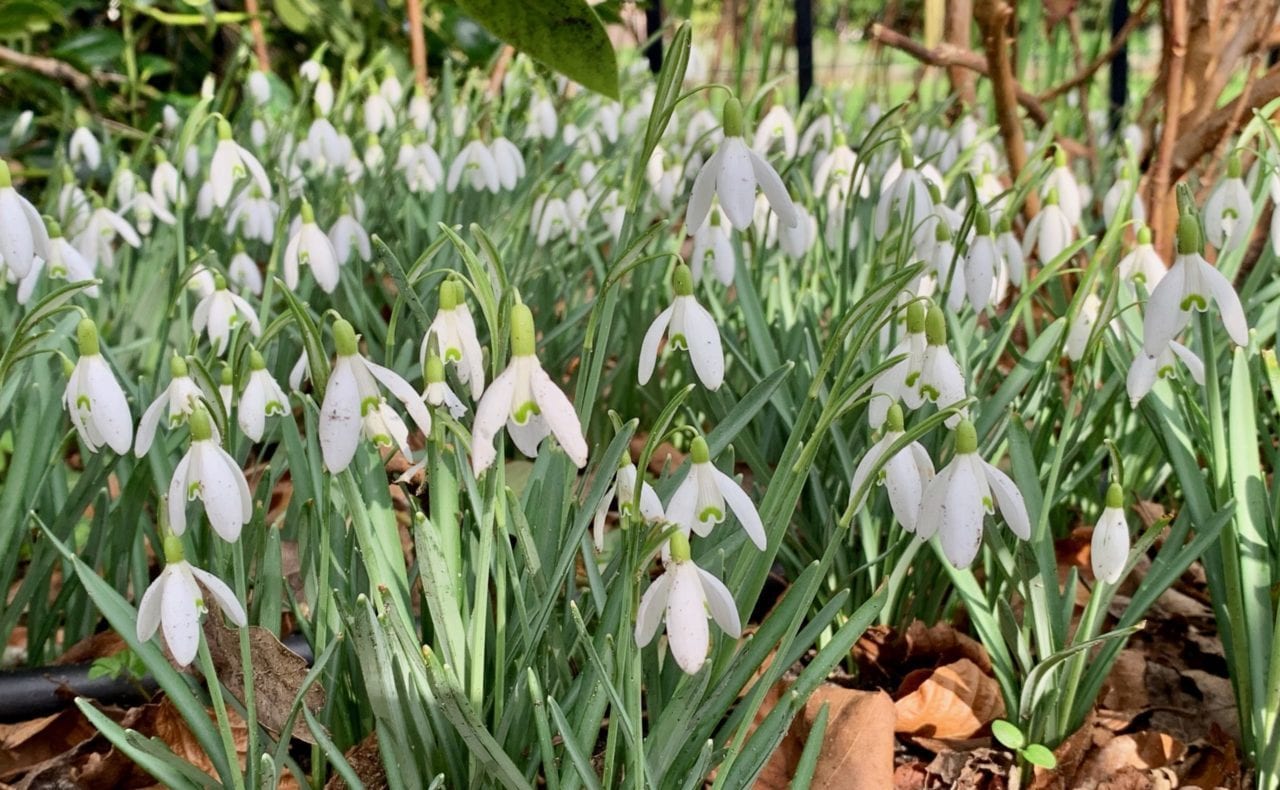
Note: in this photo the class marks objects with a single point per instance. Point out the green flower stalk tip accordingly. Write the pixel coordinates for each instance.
(224, 129)
(256, 362)
(678, 544)
(983, 222)
(1188, 235)
(624, 460)
(966, 438)
(1052, 198)
(344, 338)
(1233, 165)
(173, 549)
(87, 337)
(448, 295)
(434, 369)
(1144, 235)
(941, 232)
(219, 282)
(177, 366)
(915, 316)
(935, 326)
(894, 420)
(160, 156)
(732, 118)
(1059, 156)
(699, 453)
(1115, 496)
(227, 377)
(54, 227)
(935, 194)
(6, 180)
(201, 427)
(682, 280)
(308, 216)
(523, 339)
(715, 219)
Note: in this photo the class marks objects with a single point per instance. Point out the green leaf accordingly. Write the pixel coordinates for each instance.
(564, 34)
(1008, 733)
(1039, 754)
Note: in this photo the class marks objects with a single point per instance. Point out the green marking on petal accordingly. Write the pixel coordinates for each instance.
(524, 412)
(711, 514)
(1194, 300)
(369, 404)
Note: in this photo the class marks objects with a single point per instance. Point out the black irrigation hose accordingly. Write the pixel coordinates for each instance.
(27, 694)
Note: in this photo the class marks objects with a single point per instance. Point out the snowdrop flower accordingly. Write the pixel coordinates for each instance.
(96, 240)
(123, 183)
(438, 392)
(259, 87)
(1228, 214)
(374, 155)
(795, 241)
(776, 128)
(226, 389)
(1190, 284)
(614, 213)
(232, 163)
(1111, 202)
(84, 149)
(219, 313)
(311, 70)
(426, 172)
(322, 98)
(733, 172)
(244, 273)
(254, 215)
(507, 159)
(961, 495)
(624, 487)
(543, 123)
(64, 263)
(901, 381)
(21, 126)
(948, 266)
(905, 475)
(981, 264)
(204, 201)
(208, 473)
(941, 382)
(174, 601)
(22, 231)
(1147, 368)
(1062, 181)
(353, 404)
(477, 164)
(550, 219)
(179, 399)
(93, 398)
(1082, 327)
(1010, 251)
(907, 191)
(347, 235)
(1143, 264)
(1049, 232)
(682, 598)
(146, 209)
(528, 402)
(690, 328)
(1109, 551)
(700, 502)
(378, 113)
(261, 398)
(818, 135)
(73, 204)
(420, 111)
(258, 133)
(836, 170)
(170, 118)
(454, 332)
(311, 247)
(711, 245)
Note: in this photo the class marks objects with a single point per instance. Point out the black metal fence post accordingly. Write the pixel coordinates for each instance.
(653, 29)
(1118, 82)
(804, 45)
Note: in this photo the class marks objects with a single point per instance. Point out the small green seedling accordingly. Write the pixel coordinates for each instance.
(1008, 734)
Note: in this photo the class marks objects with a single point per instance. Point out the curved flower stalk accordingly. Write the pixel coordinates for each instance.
(901, 381)
(525, 399)
(1109, 549)
(732, 173)
(690, 328)
(219, 313)
(208, 473)
(1228, 213)
(712, 247)
(174, 602)
(1063, 182)
(94, 399)
(311, 247)
(475, 162)
(1143, 264)
(941, 382)
(624, 488)
(231, 164)
(960, 497)
(354, 406)
(179, 399)
(905, 475)
(707, 496)
(776, 130)
(261, 398)
(682, 598)
(64, 262)
(906, 190)
(1190, 284)
(1049, 232)
(454, 332)
(1147, 368)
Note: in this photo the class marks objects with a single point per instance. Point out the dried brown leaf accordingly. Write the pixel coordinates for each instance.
(955, 700)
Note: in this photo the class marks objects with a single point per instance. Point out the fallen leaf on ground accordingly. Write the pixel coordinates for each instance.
(955, 700)
(857, 750)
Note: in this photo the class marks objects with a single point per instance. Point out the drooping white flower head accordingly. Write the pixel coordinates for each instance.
(437, 392)
(818, 135)
(624, 487)
(509, 161)
(712, 248)
(261, 398)
(1010, 251)
(231, 164)
(348, 235)
(259, 86)
(1143, 264)
(690, 328)
(64, 263)
(84, 149)
(244, 272)
(21, 128)
(960, 497)
(254, 215)
(420, 112)
(219, 313)
(178, 400)
(837, 169)
(311, 247)
(1081, 328)
(707, 495)
(906, 187)
(543, 124)
(322, 97)
(682, 598)
(941, 382)
(900, 383)
(1147, 368)
(1109, 550)
(476, 162)
(1228, 214)
(1049, 232)
(454, 331)
(96, 241)
(905, 475)
(22, 231)
(982, 265)
(174, 602)
(209, 473)
(525, 399)
(1062, 181)
(353, 404)
(1190, 284)
(94, 399)
(379, 113)
(776, 130)
(1112, 203)
(732, 173)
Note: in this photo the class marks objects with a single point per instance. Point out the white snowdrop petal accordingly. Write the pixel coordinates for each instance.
(720, 604)
(773, 188)
(147, 425)
(110, 409)
(1109, 549)
(561, 418)
(223, 595)
(649, 346)
(742, 507)
(491, 414)
(222, 489)
(1009, 498)
(149, 610)
(705, 350)
(962, 514)
(687, 631)
(1228, 302)
(736, 182)
(340, 418)
(1163, 319)
(653, 605)
(180, 617)
(704, 187)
